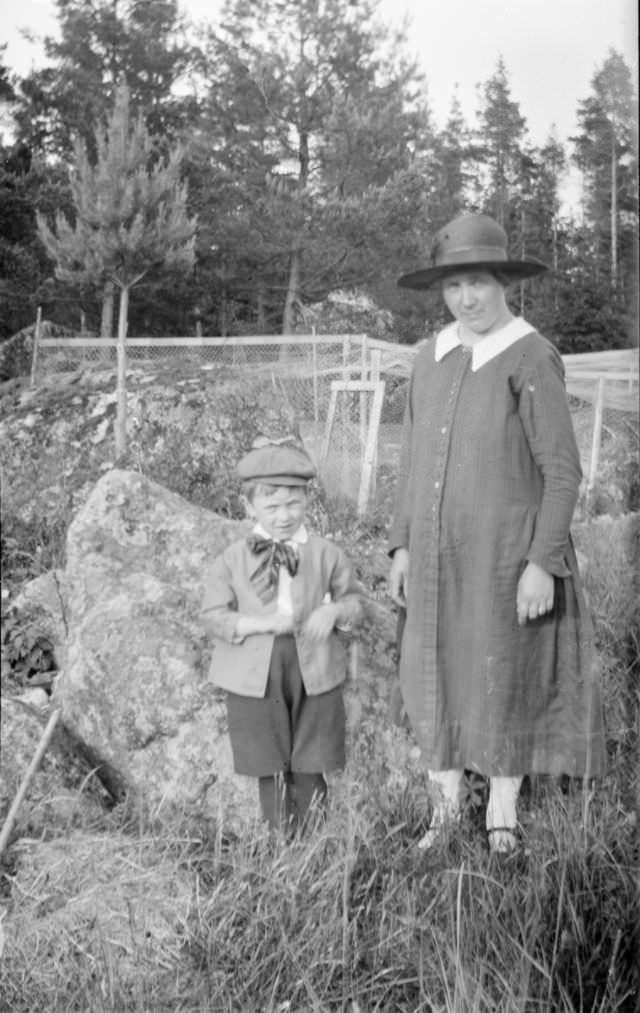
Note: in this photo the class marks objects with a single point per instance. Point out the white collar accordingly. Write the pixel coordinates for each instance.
(300, 537)
(485, 349)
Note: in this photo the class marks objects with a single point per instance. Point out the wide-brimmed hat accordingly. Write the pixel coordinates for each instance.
(471, 242)
(277, 462)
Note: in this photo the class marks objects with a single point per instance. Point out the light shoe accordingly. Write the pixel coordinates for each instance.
(443, 818)
(502, 840)
(502, 816)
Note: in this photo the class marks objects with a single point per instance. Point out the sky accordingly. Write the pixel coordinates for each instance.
(551, 48)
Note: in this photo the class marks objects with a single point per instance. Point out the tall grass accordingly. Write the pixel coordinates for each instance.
(353, 917)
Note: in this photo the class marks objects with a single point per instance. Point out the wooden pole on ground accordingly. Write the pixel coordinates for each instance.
(45, 739)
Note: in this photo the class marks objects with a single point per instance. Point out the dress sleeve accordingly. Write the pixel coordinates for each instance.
(545, 416)
(399, 532)
(219, 612)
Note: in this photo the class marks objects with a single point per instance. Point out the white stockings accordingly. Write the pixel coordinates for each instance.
(501, 808)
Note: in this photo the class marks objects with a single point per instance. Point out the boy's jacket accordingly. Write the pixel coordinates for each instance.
(242, 666)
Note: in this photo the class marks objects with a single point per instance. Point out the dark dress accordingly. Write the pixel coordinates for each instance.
(488, 481)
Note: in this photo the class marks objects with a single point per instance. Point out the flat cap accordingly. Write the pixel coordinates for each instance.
(277, 464)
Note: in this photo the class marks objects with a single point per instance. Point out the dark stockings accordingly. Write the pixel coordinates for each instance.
(285, 799)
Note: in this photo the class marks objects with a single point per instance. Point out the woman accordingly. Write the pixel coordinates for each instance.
(496, 667)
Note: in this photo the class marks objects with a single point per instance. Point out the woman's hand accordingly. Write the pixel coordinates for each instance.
(535, 593)
(398, 576)
(321, 622)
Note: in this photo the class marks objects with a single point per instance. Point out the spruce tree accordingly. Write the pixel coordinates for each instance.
(130, 221)
(498, 148)
(606, 153)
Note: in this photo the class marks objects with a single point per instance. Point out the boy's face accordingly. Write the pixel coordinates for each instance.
(279, 509)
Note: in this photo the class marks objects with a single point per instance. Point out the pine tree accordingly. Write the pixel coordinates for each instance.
(325, 116)
(130, 221)
(99, 45)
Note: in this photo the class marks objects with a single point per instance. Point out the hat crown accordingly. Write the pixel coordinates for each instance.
(469, 239)
(276, 463)
(471, 242)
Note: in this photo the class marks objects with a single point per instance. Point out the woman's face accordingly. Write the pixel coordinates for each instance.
(477, 300)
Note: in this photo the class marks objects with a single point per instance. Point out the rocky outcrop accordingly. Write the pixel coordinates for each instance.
(135, 689)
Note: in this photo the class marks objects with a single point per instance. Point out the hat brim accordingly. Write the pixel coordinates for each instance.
(286, 480)
(516, 270)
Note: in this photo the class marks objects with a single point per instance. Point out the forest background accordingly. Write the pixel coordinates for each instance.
(308, 162)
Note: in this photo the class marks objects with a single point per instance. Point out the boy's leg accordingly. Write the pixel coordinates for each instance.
(318, 733)
(310, 790)
(446, 806)
(502, 817)
(276, 800)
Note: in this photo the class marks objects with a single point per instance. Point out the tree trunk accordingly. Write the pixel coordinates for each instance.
(223, 321)
(554, 241)
(261, 309)
(293, 290)
(106, 322)
(121, 406)
(614, 212)
(523, 252)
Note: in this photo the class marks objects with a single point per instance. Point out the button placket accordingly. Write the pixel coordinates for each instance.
(432, 536)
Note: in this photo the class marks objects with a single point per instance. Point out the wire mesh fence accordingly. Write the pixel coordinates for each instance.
(349, 423)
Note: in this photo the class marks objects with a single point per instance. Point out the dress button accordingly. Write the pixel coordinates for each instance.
(437, 485)
(443, 430)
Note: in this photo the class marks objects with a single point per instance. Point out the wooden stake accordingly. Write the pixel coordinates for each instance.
(370, 447)
(597, 435)
(45, 739)
(36, 345)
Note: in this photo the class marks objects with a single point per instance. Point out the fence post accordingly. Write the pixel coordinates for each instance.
(121, 374)
(364, 352)
(314, 368)
(36, 345)
(376, 357)
(597, 436)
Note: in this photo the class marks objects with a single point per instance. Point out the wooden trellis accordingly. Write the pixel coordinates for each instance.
(371, 426)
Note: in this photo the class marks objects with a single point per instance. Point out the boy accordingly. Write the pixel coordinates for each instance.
(272, 603)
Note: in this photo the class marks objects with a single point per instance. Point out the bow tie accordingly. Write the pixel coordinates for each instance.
(272, 556)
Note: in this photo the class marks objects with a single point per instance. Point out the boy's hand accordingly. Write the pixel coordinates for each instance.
(274, 622)
(535, 593)
(321, 622)
(398, 577)
(280, 623)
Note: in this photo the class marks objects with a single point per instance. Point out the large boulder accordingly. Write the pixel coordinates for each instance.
(40, 606)
(135, 690)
